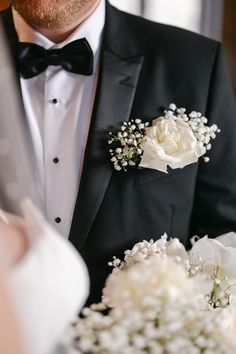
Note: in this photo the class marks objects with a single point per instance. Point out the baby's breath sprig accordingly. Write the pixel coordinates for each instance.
(198, 123)
(125, 145)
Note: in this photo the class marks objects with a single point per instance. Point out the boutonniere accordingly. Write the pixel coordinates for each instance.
(176, 139)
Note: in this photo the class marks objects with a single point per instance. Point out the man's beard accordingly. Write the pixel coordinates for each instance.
(52, 14)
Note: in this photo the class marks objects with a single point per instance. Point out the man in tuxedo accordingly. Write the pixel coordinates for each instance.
(137, 68)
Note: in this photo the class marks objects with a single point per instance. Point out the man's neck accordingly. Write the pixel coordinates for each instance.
(58, 35)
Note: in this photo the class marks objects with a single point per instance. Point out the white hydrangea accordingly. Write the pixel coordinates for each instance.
(142, 285)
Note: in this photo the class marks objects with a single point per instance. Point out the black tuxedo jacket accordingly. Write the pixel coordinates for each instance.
(144, 67)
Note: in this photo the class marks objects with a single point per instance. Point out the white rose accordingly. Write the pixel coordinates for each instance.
(169, 142)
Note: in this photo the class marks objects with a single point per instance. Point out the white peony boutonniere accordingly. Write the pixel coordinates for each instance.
(174, 139)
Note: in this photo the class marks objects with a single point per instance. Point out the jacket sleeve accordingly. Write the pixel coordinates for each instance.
(214, 210)
(49, 285)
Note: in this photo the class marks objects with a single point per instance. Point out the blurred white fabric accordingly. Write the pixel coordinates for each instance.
(18, 178)
(49, 286)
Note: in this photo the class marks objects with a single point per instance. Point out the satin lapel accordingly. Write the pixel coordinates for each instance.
(115, 95)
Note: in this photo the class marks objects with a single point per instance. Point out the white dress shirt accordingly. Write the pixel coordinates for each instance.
(58, 107)
(48, 286)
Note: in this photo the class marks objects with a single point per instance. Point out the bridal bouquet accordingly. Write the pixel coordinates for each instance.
(162, 299)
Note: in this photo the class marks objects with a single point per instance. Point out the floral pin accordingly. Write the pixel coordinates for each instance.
(176, 139)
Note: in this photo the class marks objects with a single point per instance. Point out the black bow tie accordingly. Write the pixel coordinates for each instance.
(76, 57)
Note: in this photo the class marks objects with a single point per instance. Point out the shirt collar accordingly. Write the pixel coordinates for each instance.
(91, 29)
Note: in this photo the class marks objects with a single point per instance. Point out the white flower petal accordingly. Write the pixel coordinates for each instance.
(229, 261)
(228, 240)
(208, 250)
(176, 249)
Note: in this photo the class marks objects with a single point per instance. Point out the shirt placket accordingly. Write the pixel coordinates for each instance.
(53, 150)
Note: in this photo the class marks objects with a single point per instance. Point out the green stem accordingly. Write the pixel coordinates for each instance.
(216, 287)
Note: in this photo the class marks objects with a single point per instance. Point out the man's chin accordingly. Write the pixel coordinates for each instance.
(51, 14)
(43, 13)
